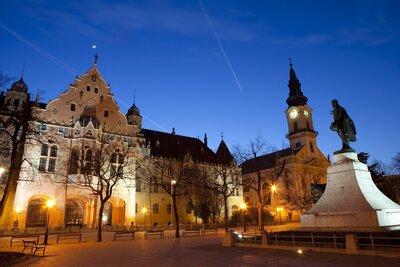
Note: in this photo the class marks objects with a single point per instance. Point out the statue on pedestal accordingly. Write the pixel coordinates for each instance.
(344, 126)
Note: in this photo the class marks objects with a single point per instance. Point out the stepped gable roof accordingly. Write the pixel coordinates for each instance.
(175, 146)
(267, 161)
(224, 156)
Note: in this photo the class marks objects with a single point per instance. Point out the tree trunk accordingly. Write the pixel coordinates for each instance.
(226, 213)
(100, 222)
(176, 217)
(260, 218)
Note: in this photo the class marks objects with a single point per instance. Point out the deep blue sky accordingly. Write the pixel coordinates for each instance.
(168, 52)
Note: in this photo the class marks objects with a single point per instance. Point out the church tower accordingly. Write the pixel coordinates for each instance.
(299, 118)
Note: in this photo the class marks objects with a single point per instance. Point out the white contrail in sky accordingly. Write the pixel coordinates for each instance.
(221, 46)
(61, 64)
(40, 51)
(147, 118)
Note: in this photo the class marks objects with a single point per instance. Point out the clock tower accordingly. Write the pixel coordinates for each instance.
(299, 117)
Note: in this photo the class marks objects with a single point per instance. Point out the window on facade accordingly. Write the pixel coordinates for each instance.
(295, 127)
(44, 150)
(106, 113)
(138, 186)
(43, 127)
(169, 208)
(117, 167)
(74, 212)
(52, 165)
(155, 188)
(74, 161)
(96, 90)
(88, 88)
(136, 207)
(53, 151)
(311, 147)
(188, 208)
(42, 164)
(72, 107)
(61, 129)
(308, 125)
(237, 191)
(37, 213)
(155, 208)
(16, 102)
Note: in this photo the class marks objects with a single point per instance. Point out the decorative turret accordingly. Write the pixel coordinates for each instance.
(19, 86)
(224, 156)
(296, 97)
(133, 115)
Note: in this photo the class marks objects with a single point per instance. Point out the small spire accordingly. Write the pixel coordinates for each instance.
(23, 70)
(134, 97)
(290, 62)
(173, 130)
(96, 57)
(222, 135)
(205, 139)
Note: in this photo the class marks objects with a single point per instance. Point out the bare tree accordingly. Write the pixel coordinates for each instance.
(253, 152)
(225, 181)
(396, 163)
(173, 176)
(15, 127)
(102, 166)
(5, 79)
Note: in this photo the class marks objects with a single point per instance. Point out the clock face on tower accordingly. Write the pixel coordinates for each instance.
(306, 113)
(293, 113)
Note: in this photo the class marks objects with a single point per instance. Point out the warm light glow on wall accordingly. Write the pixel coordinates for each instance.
(274, 188)
(243, 206)
(50, 203)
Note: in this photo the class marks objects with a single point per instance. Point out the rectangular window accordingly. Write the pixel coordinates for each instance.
(42, 164)
(72, 107)
(43, 127)
(106, 113)
(96, 90)
(61, 130)
(138, 186)
(52, 165)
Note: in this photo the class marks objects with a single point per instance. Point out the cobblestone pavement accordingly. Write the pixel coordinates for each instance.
(188, 251)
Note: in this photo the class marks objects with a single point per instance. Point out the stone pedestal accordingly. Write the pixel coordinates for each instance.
(351, 201)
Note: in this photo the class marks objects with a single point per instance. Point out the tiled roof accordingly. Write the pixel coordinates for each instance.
(266, 161)
(224, 156)
(177, 146)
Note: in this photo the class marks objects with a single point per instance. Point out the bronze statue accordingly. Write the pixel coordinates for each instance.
(343, 125)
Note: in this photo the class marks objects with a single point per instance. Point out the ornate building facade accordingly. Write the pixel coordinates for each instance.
(287, 195)
(56, 143)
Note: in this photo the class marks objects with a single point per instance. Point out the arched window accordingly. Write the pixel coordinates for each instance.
(74, 212)
(53, 151)
(37, 213)
(52, 159)
(155, 208)
(74, 161)
(169, 208)
(44, 150)
(295, 127)
(106, 113)
(88, 88)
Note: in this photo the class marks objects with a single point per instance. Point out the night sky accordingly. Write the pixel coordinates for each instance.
(212, 66)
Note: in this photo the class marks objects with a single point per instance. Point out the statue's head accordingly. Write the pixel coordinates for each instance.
(335, 103)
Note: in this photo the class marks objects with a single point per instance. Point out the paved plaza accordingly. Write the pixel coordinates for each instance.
(188, 251)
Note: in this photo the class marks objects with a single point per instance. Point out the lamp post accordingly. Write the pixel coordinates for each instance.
(243, 207)
(173, 182)
(274, 188)
(50, 203)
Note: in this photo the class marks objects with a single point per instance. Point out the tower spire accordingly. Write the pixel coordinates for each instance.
(296, 97)
(23, 70)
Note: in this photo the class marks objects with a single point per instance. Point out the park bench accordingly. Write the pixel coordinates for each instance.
(213, 231)
(130, 234)
(195, 232)
(70, 236)
(159, 233)
(34, 246)
(20, 238)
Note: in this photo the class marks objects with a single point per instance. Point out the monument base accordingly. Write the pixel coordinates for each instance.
(351, 201)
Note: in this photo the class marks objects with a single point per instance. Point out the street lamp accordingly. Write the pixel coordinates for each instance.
(243, 207)
(173, 182)
(50, 203)
(274, 188)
